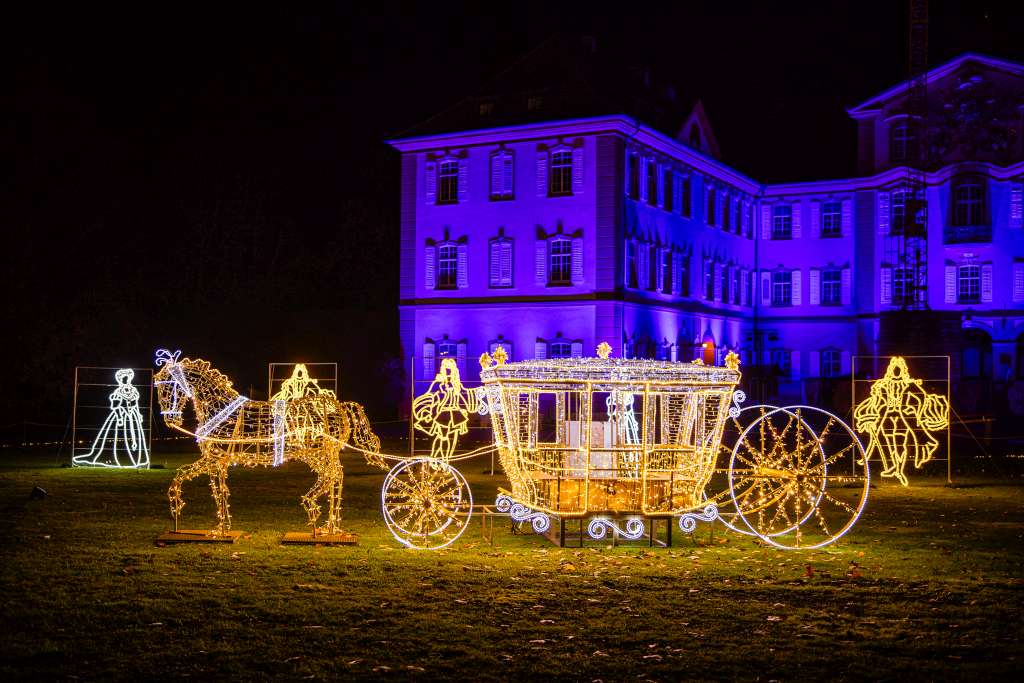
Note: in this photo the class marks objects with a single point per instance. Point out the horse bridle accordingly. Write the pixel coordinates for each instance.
(170, 360)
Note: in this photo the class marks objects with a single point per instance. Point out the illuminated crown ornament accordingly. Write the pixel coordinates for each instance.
(485, 360)
(500, 355)
(732, 360)
(604, 349)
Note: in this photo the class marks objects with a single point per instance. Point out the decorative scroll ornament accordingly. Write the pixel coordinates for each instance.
(738, 397)
(233, 430)
(688, 521)
(520, 513)
(899, 417)
(633, 530)
(121, 440)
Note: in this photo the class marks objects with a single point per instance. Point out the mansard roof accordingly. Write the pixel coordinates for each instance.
(869, 107)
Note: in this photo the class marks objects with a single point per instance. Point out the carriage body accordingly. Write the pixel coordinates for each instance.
(599, 436)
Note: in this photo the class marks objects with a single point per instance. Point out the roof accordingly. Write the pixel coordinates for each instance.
(936, 74)
(619, 371)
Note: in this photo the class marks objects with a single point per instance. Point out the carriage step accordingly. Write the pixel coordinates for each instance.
(306, 538)
(200, 536)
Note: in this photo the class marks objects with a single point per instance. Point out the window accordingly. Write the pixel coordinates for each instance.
(486, 108)
(750, 289)
(666, 271)
(448, 182)
(967, 204)
(493, 345)
(711, 208)
(831, 363)
(502, 175)
(709, 281)
(738, 219)
(903, 142)
(501, 263)
(560, 177)
(968, 284)
(684, 275)
(447, 348)
(534, 103)
(726, 213)
(898, 212)
(560, 349)
(652, 183)
(831, 287)
(782, 288)
(832, 219)
(782, 222)
(725, 284)
(782, 361)
(976, 355)
(447, 266)
(903, 286)
(736, 281)
(686, 197)
(666, 189)
(652, 267)
(561, 262)
(634, 176)
(631, 276)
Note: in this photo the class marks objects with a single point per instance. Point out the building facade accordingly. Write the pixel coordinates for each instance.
(551, 237)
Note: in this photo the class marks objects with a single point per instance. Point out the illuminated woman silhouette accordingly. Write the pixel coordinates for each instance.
(443, 411)
(121, 441)
(894, 414)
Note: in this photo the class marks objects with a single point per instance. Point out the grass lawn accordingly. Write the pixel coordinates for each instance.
(928, 585)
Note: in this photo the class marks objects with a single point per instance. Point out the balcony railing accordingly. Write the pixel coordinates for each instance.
(967, 234)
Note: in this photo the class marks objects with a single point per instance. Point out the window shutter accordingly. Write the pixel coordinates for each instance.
(798, 210)
(883, 213)
(677, 274)
(577, 260)
(642, 263)
(815, 219)
(717, 281)
(430, 182)
(462, 276)
(794, 365)
(766, 288)
(429, 368)
(540, 349)
(509, 174)
(986, 283)
(844, 363)
(505, 276)
(540, 263)
(659, 191)
(813, 364)
(642, 171)
(463, 179)
(460, 358)
(886, 285)
(494, 267)
(542, 173)
(677, 192)
(1018, 282)
(766, 221)
(661, 271)
(577, 169)
(746, 219)
(950, 284)
(797, 298)
(813, 287)
(744, 282)
(847, 217)
(847, 286)
(1017, 205)
(576, 349)
(429, 267)
(497, 174)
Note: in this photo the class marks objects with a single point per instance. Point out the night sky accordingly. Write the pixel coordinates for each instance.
(214, 178)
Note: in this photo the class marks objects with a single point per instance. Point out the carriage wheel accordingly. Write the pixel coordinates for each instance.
(426, 503)
(798, 477)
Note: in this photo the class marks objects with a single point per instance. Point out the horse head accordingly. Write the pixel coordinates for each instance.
(173, 389)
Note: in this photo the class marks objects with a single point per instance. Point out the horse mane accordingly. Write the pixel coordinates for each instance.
(362, 435)
(211, 373)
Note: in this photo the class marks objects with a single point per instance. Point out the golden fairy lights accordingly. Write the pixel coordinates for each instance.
(310, 426)
(899, 417)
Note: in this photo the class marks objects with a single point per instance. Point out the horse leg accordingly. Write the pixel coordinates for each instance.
(311, 498)
(219, 486)
(184, 474)
(333, 524)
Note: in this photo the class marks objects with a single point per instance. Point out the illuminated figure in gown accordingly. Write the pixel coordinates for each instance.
(899, 416)
(443, 411)
(121, 441)
(300, 385)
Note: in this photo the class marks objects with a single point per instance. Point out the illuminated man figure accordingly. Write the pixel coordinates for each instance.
(443, 411)
(897, 409)
(299, 385)
(121, 441)
(622, 422)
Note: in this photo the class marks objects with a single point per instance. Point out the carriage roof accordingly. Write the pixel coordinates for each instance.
(613, 371)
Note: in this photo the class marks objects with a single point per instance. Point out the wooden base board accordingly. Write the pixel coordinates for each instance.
(199, 536)
(306, 538)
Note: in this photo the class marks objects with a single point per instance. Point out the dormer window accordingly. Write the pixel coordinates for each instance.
(902, 142)
(968, 203)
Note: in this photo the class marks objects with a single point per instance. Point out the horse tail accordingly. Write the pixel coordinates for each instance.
(361, 434)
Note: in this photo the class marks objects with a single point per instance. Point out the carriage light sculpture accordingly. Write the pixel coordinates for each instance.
(899, 417)
(231, 429)
(616, 443)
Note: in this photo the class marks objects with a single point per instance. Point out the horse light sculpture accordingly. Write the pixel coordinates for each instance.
(899, 417)
(234, 430)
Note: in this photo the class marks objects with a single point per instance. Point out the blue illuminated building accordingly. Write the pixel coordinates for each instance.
(550, 234)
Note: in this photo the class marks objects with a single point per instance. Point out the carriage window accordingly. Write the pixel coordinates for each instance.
(547, 418)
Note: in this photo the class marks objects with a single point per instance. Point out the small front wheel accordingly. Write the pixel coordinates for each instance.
(426, 503)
